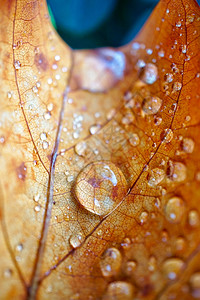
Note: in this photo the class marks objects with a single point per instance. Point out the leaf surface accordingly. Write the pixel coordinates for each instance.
(99, 155)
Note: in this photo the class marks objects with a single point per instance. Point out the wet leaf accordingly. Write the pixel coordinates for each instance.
(99, 155)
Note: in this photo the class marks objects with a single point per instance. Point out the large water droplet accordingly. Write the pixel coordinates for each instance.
(174, 209)
(187, 145)
(156, 176)
(172, 268)
(149, 73)
(110, 263)
(151, 105)
(177, 171)
(100, 187)
(119, 290)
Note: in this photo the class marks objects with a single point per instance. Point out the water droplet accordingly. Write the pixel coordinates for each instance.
(9, 95)
(19, 247)
(161, 53)
(149, 73)
(174, 210)
(7, 273)
(189, 19)
(157, 121)
(110, 263)
(193, 218)
(143, 217)
(169, 77)
(45, 145)
(37, 208)
(126, 244)
(50, 107)
(167, 135)
(151, 105)
(180, 244)
(178, 24)
(94, 128)
(17, 64)
(195, 285)
(172, 268)
(100, 187)
(177, 86)
(134, 140)
(119, 290)
(43, 136)
(128, 119)
(130, 267)
(81, 148)
(152, 264)
(35, 89)
(156, 176)
(57, 58)
(176, 171)
(187, 145)
(76, 240)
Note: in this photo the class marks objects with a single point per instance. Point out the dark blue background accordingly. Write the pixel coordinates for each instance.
(97, 23)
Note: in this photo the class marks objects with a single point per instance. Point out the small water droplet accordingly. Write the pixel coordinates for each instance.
(177, 86)
(195, 285)
(17, 64)
(43, 136)
(174, 210)
(172, 268)
(76, 240)
(19, 247)
(94, 128)
(167, 135)
(57, 58)
(81, 148)
(130, 267)
(180, 244)
(149, 73)
(9, 95)
(100, 187)
(134, 140)
(45, 145)
(187, 145)
(161, 53)
(193, 218)
(151, 105)
(157, 121)
(152, 264)
(110, 263)
(50, 107)
(35, 89)
(176, 171)
(37, 208)
(128, 119)
(143, 217)
(189, 19)
(119, 290)
(7, 273)
(156, 176)
(169, 77)
(178, 24)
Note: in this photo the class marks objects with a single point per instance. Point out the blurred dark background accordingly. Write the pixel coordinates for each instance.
(98, 23)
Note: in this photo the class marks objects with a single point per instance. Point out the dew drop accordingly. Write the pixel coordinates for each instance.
(167, 135)
(189, 19)
(45, 145)
(143, 217)
(9, 95)
(178, 24)
(100, 187)
(76, 240)
(177, 86)
(193, 218)
(168, 77)
(94, 128)
(177, 171)
(81, 148)
(180, 244)
(43, 136)
(172, 268)
(195, 285)
(119, 290)
(130, 267)
(157, 121)
(19, 247)
(128, 119)
(174, 210)
(7, 273)
(187, 145)
(156, 176)
(149, 73)
(17, 64)
(110, 263)
(151, 105)
(134, 140)
(152, 264)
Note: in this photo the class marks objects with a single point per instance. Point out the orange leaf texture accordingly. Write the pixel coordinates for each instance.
(100, 160)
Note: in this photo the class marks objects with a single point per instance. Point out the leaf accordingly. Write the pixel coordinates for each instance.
(99, 156)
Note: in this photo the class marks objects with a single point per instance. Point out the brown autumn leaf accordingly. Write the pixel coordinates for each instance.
(99, 156)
